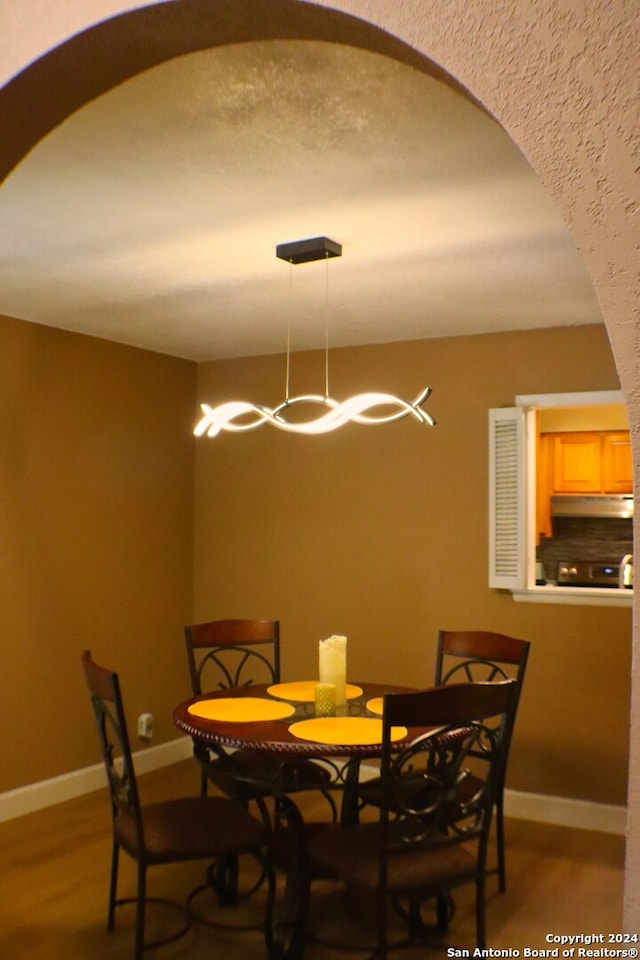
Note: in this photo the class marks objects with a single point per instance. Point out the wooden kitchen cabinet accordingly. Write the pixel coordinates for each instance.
(591, 462)
(617, 468)
(581, 462)
(577, 463)
(544, 483)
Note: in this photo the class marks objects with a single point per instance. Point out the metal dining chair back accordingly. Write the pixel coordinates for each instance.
(466, 656)
(170, 831)
(421, 849)
(232, 653)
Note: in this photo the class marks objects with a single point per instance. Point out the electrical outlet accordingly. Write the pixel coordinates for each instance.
(145, 725)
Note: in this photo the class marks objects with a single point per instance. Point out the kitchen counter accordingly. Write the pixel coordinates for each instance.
(578, 596)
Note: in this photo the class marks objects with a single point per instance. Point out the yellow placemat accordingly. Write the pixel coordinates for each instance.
(304, 690)
(374, 705)
(241, 709)
(344, 730)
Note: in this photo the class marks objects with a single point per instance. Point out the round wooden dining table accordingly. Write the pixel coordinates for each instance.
(275, 736)
(219, 727)
(279, 741)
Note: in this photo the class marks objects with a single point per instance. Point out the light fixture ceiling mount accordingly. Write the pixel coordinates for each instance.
(304, 251)
(238, 416)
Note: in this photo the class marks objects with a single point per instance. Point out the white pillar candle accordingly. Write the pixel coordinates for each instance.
(332, 664)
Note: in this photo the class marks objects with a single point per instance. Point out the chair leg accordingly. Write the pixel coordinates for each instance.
(445, 909)
(288, 926)
(414, 916)
(263, 809)
(332, 805)
(382, 935)
(273, 953)
(223, 875)
(382, 922)
(481, 932)
(502, 866)
(113, 885)
(140, 905)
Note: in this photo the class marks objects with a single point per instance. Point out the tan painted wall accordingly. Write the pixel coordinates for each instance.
(381, 533)
(96, 493)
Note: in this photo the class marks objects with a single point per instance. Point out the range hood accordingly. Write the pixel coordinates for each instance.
(598, 505)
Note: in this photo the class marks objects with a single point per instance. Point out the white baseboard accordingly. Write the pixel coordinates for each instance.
(565, 812)
(561, 811)
(45, 793)
(540, 808)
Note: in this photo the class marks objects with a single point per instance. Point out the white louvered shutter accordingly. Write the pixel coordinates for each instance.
(507, 478)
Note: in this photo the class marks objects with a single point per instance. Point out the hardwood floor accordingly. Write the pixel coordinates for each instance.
(55, 863)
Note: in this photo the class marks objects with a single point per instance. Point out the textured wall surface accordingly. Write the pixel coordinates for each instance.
(562, 78)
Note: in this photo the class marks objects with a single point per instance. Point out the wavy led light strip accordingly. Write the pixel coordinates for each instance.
(237, 416)
(232, 416)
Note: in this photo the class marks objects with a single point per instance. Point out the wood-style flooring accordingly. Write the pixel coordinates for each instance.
(54, 869)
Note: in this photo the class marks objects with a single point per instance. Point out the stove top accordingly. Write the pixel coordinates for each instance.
(588, 573)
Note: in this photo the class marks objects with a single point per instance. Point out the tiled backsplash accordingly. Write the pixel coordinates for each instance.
(585, 538)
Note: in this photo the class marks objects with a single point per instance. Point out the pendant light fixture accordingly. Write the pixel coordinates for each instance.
(238, 416)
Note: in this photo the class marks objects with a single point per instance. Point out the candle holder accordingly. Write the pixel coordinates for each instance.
(325, 698)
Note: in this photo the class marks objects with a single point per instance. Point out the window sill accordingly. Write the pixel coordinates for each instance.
(578, 596)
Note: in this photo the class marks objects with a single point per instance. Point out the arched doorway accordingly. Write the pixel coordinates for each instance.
(596, 206)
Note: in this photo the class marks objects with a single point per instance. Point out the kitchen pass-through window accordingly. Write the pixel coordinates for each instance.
(544, 446)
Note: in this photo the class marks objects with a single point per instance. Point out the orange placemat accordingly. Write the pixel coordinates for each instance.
(241, 709)
(350, 731)
(305, 690)
(375, 705)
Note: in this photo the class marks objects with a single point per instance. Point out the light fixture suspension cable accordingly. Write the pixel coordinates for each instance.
(326, 326)
(286, 386)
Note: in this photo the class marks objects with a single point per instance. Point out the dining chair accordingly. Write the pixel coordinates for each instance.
(234, 653)
(240, 652)
(170, 831)
(477, 655)
(466, 656)
(417, 851)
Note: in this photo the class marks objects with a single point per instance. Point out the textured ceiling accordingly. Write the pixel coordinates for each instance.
(151, 215)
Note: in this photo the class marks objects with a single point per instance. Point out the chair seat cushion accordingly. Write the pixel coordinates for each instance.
(351, 853)
(411, 789)
(468, 790)
(191, 828)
